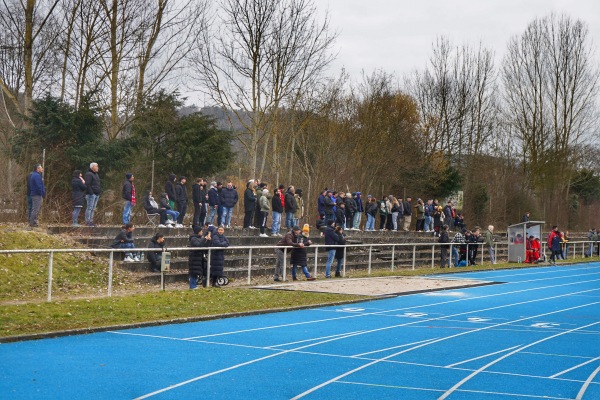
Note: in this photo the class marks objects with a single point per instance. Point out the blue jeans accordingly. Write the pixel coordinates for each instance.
(128, 246)
(193, 281)
(92, 202)
(174, 214)
(304, 270)
(276, 224)
(29, 207)
(356, 220)
(226, 217)
(370, 226)
(127, 212)
(289, 220)
(330, 257)
(76, 211)
(211, 215)
(455, 256)
(427, 223)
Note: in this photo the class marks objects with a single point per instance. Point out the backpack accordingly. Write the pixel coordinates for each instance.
(382, 208)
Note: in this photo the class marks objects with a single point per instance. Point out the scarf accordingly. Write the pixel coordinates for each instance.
(132, 194)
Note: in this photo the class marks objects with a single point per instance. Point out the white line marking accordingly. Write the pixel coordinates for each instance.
(464, 380)
(575, 367)
(586, 384)
(440, 340)
(393, 310)
(462, 391)
(483, 356)
(311, 339)
(394, 347)
(382, 329)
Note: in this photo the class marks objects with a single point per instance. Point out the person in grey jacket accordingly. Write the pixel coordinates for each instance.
(265, 207)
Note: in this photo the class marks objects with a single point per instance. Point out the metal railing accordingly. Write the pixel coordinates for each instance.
(394, 246)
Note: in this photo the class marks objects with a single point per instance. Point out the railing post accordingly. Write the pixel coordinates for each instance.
(208, 269)
(451, 256)
(344, 266)
(316, 260)
(393, 255)
(495, 252)
(432, 256)
(370, 252)
(482, 249)
(284, 263)
(110, 272)
(249, 264)
(414, 256)
(50, 264)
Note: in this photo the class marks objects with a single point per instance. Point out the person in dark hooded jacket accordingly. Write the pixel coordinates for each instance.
(79, 188)
(170, 190)
(298, 257)
(197, 258)
(182, 200)
(154, 257)
(217, 257)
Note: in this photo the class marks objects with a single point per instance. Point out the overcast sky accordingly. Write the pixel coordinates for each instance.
(396, 36)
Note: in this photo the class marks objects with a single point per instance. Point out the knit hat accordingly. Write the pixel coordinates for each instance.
(265, 191)
(213, 183)
(296, 228)
(306, 228)
(128, 175)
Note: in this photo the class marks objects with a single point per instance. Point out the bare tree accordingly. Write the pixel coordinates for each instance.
(257, 59)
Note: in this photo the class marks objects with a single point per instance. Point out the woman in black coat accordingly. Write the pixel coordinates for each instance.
(298, 256)
(340, 251)
(78, 186)
(197, 258)
(217, 257)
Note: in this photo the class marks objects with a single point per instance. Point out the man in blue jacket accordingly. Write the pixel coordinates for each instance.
(229, 198)
(38, 192)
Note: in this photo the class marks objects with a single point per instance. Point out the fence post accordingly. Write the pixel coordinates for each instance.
(50, 264)
(370, 252)
(110, 272)
(414, 256)
(344, 266)
(451, 256)
(496, 251)
(393, 255)
(208, 269)
(249, 264)
(482, 249)
(432, 256)
(284, 263)
(316, 259)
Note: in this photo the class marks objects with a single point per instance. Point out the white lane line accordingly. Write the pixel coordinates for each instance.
(575, 367)
(586, 384)
(392, 310)
(488, 275)
(382, 329)
(311, 339)
(532, 396)
(393, 348)
(471, 375)
(483, 356)
(433, 342)
(234, 367)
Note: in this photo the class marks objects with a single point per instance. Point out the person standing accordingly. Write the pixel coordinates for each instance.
(217, 257)
(331, 239)
(277, 209)
(249, 204)
(359, 210)
(265, 207)
(444, 240)
(554, 244)
(407, 214)
(198, 200)
(78, 191)
(128, 194)
(298, 257)
(340, 251)
(489, 242)
(92, 193)
(299, 214)
(229, 198)
(38, 193)
(372, 207)
(290, 207)
(182, 200)
(329, 207)
(288, 240)
(197, 258)
(29, 201)
(213, 203)
(171, 191)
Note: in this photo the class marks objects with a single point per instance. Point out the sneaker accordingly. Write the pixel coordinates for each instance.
(137, 259)
(178, 226)
(337, 274)
(170, 226)
(228, 227)
(162, 226)
(263, 235)
(294, 278)
(128, 259)
(252, 227)
(311, 278)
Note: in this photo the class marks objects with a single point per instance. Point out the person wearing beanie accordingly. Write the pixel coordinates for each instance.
(182, 200)
(298, 258)
(128, 195)
(197, 258)
(265, 207)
